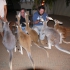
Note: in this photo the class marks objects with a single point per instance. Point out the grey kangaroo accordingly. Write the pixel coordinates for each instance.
(53, 37)
(9, 41)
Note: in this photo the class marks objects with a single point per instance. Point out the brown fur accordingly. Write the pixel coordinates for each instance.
(33, 34)
(25, 41)
(61, 30)
(11, 24)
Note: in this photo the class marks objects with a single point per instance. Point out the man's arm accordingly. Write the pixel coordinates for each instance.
(5, 12)
(35, 21)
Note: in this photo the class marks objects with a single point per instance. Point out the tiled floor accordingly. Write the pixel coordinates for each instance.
(57, 60)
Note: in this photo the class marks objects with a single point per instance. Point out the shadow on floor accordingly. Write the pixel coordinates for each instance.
(35, 69)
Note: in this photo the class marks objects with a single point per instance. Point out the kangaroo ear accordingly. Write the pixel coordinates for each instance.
(18, 14)
(26, 14)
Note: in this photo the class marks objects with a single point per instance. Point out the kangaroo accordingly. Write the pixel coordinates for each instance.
(24, 41)
(33, 34)
(62, 31)
(9, 41)
(53, 37)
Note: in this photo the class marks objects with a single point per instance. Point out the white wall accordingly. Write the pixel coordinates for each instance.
(49, 11)
(29, 6)
(61, 9)
(26, 5)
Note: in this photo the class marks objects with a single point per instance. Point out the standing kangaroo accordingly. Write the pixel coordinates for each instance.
(9, 41)
(53, 37)
(24, 41)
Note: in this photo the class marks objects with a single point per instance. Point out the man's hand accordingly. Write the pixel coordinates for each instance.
(3, 19)
(0, 17)
(41, 19)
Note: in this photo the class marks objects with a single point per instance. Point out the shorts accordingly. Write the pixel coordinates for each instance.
(1, 26)
(38, 30)
(23, 29)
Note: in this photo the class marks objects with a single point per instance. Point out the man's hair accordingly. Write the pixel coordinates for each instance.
(41, 7)
(23, 9)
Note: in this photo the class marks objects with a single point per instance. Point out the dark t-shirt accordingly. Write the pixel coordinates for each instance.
(22, 20)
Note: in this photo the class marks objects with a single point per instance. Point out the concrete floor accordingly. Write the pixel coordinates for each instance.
(57, 60)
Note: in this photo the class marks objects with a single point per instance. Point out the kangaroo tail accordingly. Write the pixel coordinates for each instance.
(45, 50)
(10, 61)
(31, 59)
(66, 42)
(65, 51)
(42, 48)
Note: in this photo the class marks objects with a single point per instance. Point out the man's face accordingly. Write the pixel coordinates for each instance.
(22, 12)
(41, 11)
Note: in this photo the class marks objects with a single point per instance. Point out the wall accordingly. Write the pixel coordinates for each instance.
(61, 9)
(49, 11)
(29, 6)
(26, 5)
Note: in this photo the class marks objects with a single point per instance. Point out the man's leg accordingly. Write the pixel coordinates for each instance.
(36, 29)
(42, 38)
(23, 28)
(1, 34)
(1, 29)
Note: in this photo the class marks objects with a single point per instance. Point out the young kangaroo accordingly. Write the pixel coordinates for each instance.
(33, 34)
(9, 41)
(24, 41)
(53, 37)
(61, 30)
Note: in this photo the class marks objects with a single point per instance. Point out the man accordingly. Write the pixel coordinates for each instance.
(3, 13)
(22, 18)
(37, 22)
